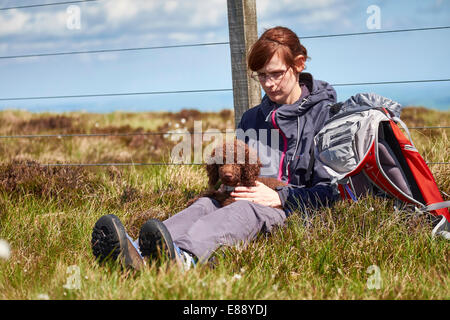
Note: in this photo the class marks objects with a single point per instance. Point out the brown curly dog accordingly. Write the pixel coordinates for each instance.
(242, 170)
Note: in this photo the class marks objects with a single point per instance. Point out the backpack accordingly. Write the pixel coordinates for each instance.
(363, 149)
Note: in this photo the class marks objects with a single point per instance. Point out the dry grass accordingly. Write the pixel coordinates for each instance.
(47, 214)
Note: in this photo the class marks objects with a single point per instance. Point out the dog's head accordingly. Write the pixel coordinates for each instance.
(233, 163)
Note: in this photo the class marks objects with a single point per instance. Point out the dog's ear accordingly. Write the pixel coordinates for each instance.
(250, 173)
(212, 169)
(251, 169)
(213, 174)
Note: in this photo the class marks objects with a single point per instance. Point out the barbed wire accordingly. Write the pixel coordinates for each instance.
(46, 4)
(70, 135)
(431, 127)
(143, 164)
(124, 164)
(107, 134)
(117, 94)
(202, 90)
(116, 164)
(375, 32)
(388, 82)
(178, 91)
(152, 133)
(34, 55)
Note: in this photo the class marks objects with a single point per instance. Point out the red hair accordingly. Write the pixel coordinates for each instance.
(277, 39)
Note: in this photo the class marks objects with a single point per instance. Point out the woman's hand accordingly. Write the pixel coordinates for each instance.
(261, 194)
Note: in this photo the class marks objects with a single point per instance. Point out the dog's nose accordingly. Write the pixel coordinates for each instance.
(228, 175)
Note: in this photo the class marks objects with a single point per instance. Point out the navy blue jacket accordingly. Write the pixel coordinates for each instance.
(283, 136)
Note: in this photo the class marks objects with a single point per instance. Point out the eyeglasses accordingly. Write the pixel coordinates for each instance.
(274, 76)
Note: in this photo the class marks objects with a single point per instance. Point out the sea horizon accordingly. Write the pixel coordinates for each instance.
(105, 110)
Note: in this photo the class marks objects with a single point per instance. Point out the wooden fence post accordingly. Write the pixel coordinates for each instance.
(242, 27)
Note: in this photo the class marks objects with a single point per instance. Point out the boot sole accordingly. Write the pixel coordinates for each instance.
(109, 242)
(155, 240)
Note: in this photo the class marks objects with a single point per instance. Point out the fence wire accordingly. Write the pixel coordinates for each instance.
(46, 4)
(178, 91)
(34, 55)
(152, 134)
(84, 135)
(125, 164)
(204, 90)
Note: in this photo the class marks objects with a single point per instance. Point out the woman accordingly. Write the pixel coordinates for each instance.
(296, 107)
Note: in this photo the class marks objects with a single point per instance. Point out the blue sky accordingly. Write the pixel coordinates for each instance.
(112, 24)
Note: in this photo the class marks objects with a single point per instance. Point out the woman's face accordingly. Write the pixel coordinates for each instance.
(279, 81)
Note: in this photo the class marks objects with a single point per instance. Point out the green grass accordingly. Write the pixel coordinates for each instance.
(47, 217)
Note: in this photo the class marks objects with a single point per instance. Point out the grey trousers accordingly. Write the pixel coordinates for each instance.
(205, 226)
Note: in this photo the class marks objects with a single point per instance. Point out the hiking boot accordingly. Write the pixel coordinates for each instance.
(111, 242)
(155, 240)
(442, 229)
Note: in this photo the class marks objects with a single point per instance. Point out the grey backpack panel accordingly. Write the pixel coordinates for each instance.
(392, 168)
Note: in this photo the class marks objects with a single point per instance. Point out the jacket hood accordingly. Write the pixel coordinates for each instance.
(318, 91)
